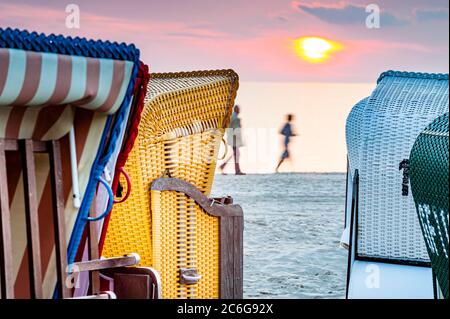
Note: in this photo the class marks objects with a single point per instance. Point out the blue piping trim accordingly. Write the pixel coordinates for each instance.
(110, 202)
(416, 75)
(39, 42)
(97, 171)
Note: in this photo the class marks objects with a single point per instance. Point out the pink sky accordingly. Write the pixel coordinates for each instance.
(255, 37)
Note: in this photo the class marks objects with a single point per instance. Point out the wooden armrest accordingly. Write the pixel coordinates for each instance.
(105, 263)
(213, 206)
(227, 200)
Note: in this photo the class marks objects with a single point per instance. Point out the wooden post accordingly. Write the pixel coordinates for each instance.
(31, 216)
(238, 252)
(94, 275)
(231, 257)
(58, 216)
(6, 269)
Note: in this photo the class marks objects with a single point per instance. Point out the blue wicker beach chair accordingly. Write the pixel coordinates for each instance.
(64, 107)
(387, 253)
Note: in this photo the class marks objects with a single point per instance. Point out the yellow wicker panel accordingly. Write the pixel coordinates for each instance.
(191, 237)
(182, 126)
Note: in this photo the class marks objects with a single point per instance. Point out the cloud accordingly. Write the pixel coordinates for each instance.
(345, 13)
(281, 19)
(52, 20)
(425, 15)
(28, 16)
(198, 31)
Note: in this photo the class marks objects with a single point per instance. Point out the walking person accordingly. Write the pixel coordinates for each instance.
(234, 138)
(287, 132)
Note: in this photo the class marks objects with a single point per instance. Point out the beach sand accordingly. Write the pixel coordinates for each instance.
(293, 223)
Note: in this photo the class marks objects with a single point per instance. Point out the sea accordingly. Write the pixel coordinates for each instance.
(292, 226)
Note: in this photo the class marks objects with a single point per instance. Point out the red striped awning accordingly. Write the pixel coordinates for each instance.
(39, 91)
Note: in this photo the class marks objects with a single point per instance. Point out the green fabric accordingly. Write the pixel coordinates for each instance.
(429, 186)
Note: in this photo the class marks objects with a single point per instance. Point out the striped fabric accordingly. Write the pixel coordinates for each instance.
(36, 85)
(88, 133)
(49, 84)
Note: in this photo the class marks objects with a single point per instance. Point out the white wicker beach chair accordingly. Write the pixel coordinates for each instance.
(353, 135)
(382, 225)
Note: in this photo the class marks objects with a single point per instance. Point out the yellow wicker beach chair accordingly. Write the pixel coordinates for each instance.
(193, 241)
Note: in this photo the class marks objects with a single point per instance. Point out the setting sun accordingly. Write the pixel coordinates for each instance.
(315, 49)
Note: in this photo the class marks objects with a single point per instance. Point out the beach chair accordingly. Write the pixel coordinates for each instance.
(114, 168)
(64, 103)
(387, 253)
(193, 241)
(429, 187)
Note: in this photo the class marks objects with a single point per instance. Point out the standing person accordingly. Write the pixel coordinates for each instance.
(234, 138)
(287, 132)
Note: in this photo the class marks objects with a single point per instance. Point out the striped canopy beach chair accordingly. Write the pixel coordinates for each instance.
(114, 169)
(194, 242)
(76, 95)
(429, 187)
(387, 255)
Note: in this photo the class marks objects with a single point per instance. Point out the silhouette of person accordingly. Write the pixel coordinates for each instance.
(287, 132)
(234, 138)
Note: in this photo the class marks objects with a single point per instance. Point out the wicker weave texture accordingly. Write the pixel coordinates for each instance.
(193, 235)
(353, 134)
(182, 126)
(392, 117)
(429, 186)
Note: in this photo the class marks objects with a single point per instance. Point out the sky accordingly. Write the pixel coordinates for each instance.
(320, 110)
(258, 39)
(255, 37)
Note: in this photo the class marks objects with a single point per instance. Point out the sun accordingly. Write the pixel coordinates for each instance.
(315, 49)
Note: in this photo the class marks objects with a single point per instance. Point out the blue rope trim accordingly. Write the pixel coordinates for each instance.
(39, 42)
(80, 223)
(110, 202)
(416, 75)
(98, 168)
